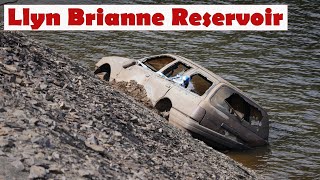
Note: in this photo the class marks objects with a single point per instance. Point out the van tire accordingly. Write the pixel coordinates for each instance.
(164, 106)
(103, 72)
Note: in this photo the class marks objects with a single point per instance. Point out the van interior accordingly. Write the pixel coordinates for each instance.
(230, 101)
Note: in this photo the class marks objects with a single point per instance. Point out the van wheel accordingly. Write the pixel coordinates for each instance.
(103, 72)
(164, 106)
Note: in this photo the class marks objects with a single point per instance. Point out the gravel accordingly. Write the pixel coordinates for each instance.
(59, 121)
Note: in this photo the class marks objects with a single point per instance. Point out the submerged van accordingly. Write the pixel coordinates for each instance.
(195, 99)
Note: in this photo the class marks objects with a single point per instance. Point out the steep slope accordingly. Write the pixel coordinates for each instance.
(57, 120)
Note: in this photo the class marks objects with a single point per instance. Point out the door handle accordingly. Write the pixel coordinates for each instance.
(147, 75)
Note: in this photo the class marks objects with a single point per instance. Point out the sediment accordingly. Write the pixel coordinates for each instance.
(59, 121)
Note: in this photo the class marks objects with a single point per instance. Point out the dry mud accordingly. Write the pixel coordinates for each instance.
(59, 121)
(133, 89)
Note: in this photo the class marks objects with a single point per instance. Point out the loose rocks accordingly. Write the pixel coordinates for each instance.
(59, 121)
(37, 172)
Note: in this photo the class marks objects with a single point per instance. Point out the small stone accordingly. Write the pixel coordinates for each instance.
(37, 172)
(3, 142)
(55, 169)
(43, 86)
(49, 97)
(19, 113)
(49, 158)
(49, 80)
(160, 130)
(18, 165)
(11, 68)
(15, 58)
(18, 80)
(86, 173)
(93, 139)
(62, 105)
(2, 153)
(8, 62)
(29, 161)
(4, 131)
(33, 121)
(149, 127)
(12, 79)
(55, 155)
(27, 152)
(80, 137)
(94, 147)
(117, 134)
(33, 102)
(42, 141)
(47, 120)
(134, 119)
(28, 134)
(39, 156)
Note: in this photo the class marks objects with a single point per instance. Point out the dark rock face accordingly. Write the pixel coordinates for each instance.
(57, 120)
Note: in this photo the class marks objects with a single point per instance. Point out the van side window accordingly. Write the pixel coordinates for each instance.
(157, 63)
(177, 68)
(231, 102)
(199, 84)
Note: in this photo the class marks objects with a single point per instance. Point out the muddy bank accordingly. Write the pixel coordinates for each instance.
(57, 120)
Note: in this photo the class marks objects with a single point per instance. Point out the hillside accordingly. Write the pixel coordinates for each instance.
(57, 120)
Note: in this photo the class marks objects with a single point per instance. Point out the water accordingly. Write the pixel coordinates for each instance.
(280, 70)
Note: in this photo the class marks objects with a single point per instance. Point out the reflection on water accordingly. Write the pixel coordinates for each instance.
(254, 159)
(280, 70)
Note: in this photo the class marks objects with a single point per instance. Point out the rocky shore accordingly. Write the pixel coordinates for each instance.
(59, 121)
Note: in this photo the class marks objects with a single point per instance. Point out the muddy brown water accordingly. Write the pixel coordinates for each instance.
(280, 70)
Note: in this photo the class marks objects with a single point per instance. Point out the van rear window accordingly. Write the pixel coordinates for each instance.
(232, 102)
